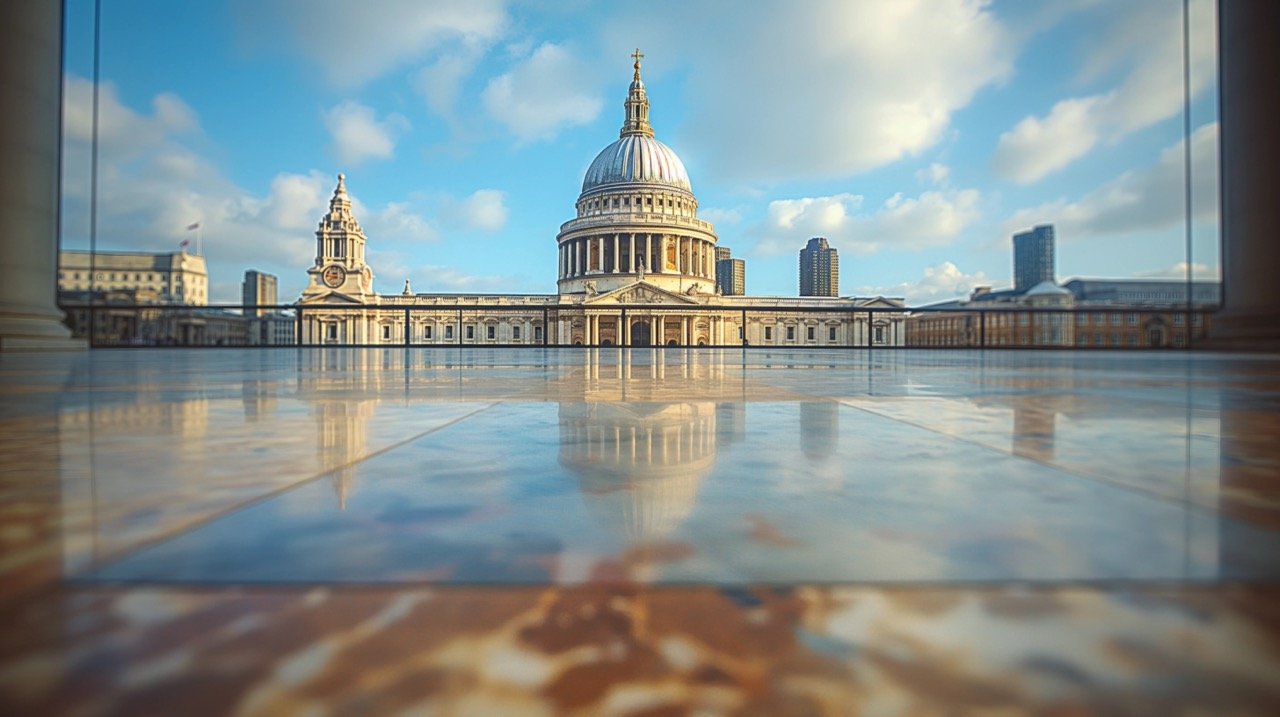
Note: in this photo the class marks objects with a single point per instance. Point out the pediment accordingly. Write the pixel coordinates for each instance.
(882, 303)
(331, 298)
(641, 293)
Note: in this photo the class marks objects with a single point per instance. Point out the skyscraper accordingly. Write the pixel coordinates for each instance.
(258, 289)
(819, 269)
(1033, 258)
(731, 274)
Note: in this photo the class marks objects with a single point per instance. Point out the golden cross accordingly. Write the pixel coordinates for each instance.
(637, 55)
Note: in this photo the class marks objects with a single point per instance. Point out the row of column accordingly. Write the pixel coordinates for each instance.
(664, 444)
(586, 255)
(657, 328)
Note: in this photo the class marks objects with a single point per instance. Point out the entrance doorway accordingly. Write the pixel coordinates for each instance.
(640, 333)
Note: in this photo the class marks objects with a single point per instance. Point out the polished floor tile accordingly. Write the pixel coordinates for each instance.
(590, 531)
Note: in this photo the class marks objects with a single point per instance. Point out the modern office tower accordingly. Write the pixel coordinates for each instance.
(819, 269)
(731, 274)
(258, 289)
(1033, 258)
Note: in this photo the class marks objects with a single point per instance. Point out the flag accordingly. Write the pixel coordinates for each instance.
(194, 226)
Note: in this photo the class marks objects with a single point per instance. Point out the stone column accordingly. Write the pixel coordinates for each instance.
(617, 253)
(1249, 102)
(30, 157)
(658, 329)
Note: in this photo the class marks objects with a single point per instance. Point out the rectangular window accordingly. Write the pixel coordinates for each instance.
(537, 333)
(1082, 319)
(515, 333)
(491, 332)
(809, 334)
(1099, 318)
(331, 332)
(1177, 319)
(1115, 319)
(448, 331)
(791, 333)
(879, 334)
(768, 333)
(386, 332)
(1133, 319)
(471, 332)
(426, 332)
(831, 333)
(1097, 339)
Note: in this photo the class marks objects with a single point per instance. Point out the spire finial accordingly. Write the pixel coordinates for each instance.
(637, 104)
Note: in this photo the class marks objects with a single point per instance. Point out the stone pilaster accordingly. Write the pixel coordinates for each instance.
(1248, 65)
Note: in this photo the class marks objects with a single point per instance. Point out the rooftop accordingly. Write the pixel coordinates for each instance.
(595, 531)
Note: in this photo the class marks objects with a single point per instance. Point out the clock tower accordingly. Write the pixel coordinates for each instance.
(340, 266)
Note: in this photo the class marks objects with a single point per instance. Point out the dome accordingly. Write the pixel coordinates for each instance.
(636, 159)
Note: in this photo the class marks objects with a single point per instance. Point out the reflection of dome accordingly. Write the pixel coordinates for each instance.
(638, 470)
(634, 159)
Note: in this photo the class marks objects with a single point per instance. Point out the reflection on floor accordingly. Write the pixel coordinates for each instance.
(446, 531)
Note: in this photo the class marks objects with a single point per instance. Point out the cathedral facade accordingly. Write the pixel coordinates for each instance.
(635, 267)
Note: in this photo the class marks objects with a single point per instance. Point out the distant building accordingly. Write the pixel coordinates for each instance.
(635, 267)
(1145, 291)
(172, 277)
(819, 269)
(1033, 260)
(258, 289)
(1097, 313)
(731, 274)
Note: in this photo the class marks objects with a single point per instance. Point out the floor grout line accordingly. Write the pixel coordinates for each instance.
(198, 523)
(1128, 488)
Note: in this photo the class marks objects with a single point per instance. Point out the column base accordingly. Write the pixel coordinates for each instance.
(1244, 332)
(37, 333)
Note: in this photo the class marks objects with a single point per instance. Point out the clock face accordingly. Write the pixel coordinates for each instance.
(334, 276)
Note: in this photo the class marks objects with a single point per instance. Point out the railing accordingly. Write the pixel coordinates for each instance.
(794, 324)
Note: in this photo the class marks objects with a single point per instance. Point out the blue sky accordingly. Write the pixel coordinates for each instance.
(915, 135)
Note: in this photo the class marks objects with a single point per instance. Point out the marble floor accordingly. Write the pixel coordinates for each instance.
(639, 532)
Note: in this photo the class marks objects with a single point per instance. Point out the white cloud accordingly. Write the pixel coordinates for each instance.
(1147, 40)
(938, 283)
(152, 186)
(831, 88)
(1139, 200)
(357, 134)
(543, 95)
(484, 209)
(936, 173)
(1179, 271)
(1035, 147)
(354, 42)
(398, 223)
(933, 218)
(440, 82)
